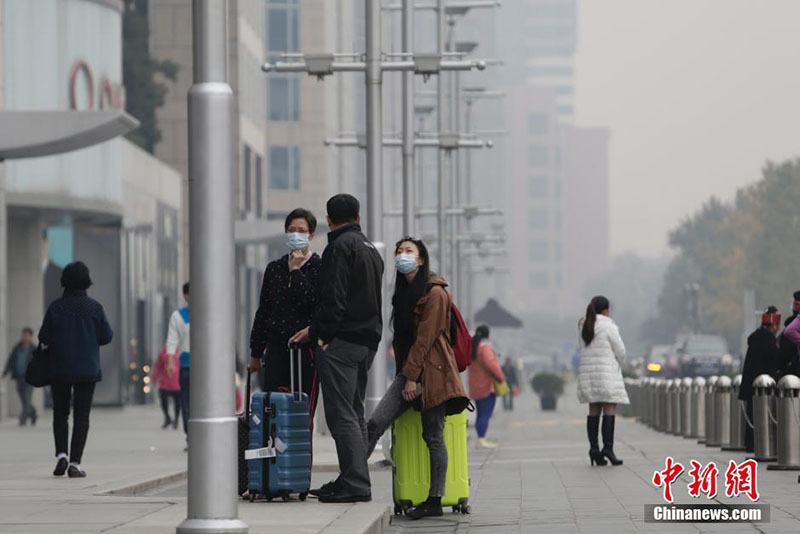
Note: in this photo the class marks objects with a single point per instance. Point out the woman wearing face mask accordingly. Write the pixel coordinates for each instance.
(286, 305)
(600, 377)
(426, 366)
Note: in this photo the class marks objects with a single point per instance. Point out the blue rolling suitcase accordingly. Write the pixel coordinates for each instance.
(279, 453)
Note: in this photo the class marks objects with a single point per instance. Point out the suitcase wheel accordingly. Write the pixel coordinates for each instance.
(252, 497)
(303, 496)
(466, 509)
(398, 510)
(285, 497)
(269, 499)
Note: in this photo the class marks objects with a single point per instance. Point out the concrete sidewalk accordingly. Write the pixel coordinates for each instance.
(539, 480)
(136, 483)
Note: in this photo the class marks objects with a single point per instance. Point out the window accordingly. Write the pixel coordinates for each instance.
(538, 280)
(283, 35)
(537, 219)
(259, 187)
(537, 124)
(247, 201)
(538, 186)
(537, 155)
(284, 98)
(538, 250)
(284, 167)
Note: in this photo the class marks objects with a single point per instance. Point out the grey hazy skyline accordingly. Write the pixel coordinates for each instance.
(698, 94)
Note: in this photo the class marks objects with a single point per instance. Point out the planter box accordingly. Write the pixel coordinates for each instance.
(548, 403)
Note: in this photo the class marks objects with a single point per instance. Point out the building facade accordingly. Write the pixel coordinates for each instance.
(95, 204)
(282, 162)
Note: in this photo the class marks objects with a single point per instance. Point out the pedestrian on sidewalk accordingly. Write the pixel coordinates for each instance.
(16, 366)
(510, 372)
(286, 306)
(483, 375)
(165, 377)
(178, 346)
(73, 330)
(761, 359)
(787, 360)
(426, 365)
(600, 377)
(347, 330)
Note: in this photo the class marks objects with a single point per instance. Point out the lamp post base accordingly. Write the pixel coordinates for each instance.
(205, 526)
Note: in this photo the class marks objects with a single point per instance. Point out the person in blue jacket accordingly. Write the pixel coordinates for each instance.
(74, 328)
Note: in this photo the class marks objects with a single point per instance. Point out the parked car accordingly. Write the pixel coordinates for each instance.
(657, 360)
(704, 355)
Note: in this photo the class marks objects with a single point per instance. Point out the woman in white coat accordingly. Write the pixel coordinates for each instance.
(600, 377)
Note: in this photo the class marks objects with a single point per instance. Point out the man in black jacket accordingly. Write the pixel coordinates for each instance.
(347, 329)
(761, 359)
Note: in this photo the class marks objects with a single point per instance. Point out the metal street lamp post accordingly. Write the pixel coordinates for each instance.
(212, 499)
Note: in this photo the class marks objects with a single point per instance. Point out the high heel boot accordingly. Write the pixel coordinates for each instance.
(608, 440)
(592, 426)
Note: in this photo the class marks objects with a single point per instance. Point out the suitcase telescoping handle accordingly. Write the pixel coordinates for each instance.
(247, 396)
(296, 353)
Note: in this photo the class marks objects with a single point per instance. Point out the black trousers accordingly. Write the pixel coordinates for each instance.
(81, 395)
(183, 377)
(176, 400)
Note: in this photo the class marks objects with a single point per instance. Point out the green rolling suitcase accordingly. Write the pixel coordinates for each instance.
(411, 471)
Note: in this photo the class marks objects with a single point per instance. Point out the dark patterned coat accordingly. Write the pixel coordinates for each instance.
(286, 305)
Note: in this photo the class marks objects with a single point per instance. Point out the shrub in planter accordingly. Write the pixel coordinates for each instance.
(549, 387)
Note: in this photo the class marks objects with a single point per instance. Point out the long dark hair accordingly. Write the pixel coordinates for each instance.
(598, 305)
(407, 295)
(481, 333)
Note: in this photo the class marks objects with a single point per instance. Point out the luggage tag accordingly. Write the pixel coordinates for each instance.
(264, 452)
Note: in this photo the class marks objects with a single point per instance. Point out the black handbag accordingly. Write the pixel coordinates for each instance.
(38, 372)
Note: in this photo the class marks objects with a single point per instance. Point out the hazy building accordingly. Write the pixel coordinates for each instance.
(541, 36)
(111, 205)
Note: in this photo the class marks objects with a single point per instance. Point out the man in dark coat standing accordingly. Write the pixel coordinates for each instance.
(346, 329)
(761, 359)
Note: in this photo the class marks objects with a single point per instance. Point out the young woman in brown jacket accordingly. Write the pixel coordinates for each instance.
(427, 375)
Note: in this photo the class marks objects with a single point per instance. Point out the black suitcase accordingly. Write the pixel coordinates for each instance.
(244, 438)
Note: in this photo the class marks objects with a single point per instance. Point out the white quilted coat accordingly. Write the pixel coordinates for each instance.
(599, 372)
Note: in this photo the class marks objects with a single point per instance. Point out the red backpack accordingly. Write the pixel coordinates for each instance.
(460, 339)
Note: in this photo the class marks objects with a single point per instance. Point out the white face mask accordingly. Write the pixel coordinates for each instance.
(297, 241)
(405, 263)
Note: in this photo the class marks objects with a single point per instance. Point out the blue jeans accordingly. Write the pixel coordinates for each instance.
(485, 408)
(183, 378)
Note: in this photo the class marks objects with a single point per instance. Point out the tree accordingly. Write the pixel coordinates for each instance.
(144, 94)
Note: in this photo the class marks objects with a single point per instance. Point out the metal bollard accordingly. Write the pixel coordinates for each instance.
(675, 428)
(698, 424)
(788, 424)
(709, 408)
(624, 410)
(644, 397)
(686, 407)
(736, 422)
(763, 426)
(722, 406)
(663, 419)
(668, 415)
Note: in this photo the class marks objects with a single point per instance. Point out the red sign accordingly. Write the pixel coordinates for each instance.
(739, 479)
(110, 95)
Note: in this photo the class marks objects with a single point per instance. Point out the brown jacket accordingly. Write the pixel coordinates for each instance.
(431, 360)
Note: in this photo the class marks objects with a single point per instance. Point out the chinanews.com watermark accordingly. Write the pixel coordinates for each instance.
(740, 482)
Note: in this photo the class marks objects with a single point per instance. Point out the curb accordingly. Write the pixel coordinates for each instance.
(147, 485)
(366, 518)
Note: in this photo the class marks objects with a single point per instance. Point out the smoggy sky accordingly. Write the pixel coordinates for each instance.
(698, 94)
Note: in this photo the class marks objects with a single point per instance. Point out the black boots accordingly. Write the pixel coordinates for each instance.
(608, 440)
(592, 425)
(429, 508)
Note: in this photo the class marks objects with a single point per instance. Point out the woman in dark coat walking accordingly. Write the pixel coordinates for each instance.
(761, 359)
(74, 328)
